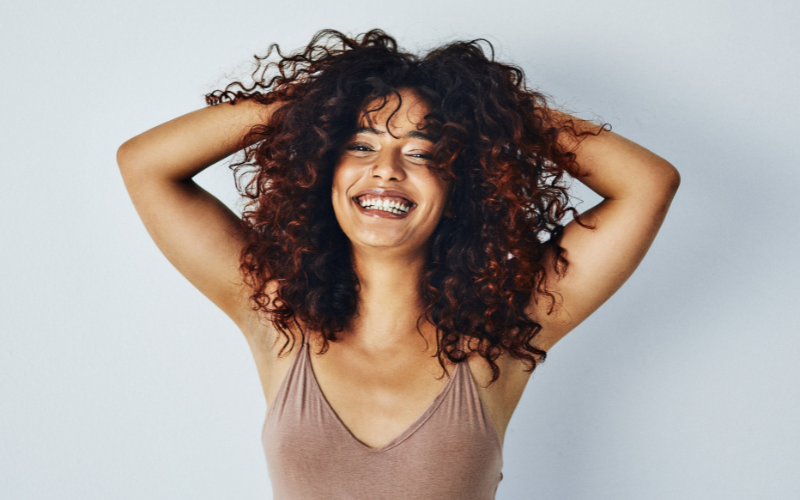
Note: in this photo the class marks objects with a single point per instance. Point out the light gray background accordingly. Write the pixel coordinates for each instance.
(118, 380)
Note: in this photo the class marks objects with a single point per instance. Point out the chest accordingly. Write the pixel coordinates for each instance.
(378, 400)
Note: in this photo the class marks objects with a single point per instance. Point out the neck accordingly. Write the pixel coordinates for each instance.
(389, 303)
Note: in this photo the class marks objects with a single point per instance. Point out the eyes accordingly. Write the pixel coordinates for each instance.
(364, 150)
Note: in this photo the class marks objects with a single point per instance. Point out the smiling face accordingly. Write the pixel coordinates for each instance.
(384, 193)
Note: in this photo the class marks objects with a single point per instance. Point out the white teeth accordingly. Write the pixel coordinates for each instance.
(384, 204)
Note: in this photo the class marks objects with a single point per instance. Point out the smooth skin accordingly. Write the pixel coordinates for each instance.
(381, 376)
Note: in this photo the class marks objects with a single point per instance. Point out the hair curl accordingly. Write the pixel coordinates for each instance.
(495, 140)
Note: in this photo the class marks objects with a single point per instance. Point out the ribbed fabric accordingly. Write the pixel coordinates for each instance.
(452, 451)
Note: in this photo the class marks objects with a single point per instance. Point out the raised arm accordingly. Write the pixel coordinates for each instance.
(637, 187)
(192, 228)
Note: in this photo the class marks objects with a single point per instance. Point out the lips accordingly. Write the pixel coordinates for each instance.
(384, 193)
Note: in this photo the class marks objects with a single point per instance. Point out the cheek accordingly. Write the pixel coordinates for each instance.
(439, 189)
(339, 197)
(337, 200)
(338, 185)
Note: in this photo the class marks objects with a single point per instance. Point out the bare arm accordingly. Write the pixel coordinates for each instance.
(192, 228)
(638, 187)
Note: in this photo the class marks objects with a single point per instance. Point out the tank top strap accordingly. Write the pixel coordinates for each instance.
(463, 344)
(295, 374)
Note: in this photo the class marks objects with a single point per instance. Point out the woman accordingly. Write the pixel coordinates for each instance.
(404, 220)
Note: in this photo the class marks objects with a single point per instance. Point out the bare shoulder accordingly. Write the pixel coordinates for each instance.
(266, 343)
(507, 364)
(511, 382)
(503, 395)
(258, 326)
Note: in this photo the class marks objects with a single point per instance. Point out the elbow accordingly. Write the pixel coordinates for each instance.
(668, 186)
(129, 164)
(129, 158)
(124, 155)
(672, 178)
(661, 184)
(668, 178)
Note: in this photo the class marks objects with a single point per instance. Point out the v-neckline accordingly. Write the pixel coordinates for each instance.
(416, 424)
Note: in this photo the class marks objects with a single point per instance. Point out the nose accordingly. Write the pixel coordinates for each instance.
(388, 167)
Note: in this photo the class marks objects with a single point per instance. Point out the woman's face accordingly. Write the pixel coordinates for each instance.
(384, 194)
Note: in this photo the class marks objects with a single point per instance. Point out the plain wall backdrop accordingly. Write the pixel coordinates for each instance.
(118, 380)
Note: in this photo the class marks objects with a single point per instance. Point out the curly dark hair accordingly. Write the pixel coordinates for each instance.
(493, 137)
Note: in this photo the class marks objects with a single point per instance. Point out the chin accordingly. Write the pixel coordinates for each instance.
(378, 241)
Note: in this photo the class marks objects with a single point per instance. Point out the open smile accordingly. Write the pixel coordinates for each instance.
(383, 208)
(384, 203)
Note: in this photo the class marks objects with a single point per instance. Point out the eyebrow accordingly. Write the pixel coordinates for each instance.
(412, 134)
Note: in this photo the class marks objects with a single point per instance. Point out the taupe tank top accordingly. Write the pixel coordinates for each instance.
(452, 451)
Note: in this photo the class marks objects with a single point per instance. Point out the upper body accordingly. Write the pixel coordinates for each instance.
(385, 366)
